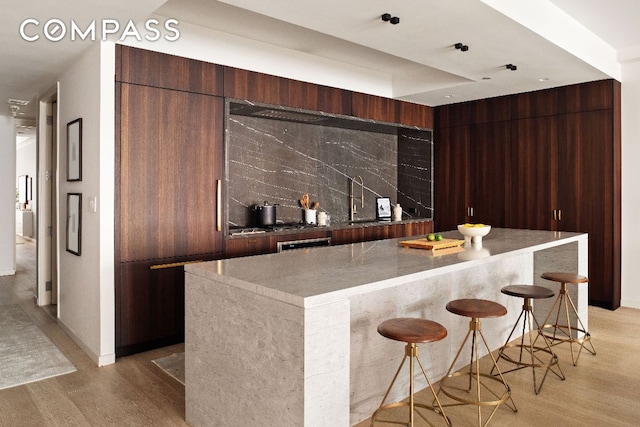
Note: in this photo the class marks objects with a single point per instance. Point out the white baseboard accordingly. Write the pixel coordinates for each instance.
(630, 303)
(8, 273)
(99, 360)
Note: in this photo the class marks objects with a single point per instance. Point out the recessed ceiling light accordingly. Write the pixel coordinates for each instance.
(487, 78)
(448, 96)
(543, 79)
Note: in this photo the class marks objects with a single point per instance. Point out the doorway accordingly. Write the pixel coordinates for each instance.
(47, 247)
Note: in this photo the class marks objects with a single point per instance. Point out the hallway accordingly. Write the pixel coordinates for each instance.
(132, 391)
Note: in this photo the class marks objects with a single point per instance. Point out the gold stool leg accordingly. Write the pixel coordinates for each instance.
(533, 361)
(569, 333)
(411, 352)
(474, 374)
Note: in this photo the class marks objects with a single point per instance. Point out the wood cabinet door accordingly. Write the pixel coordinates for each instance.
(585, 195)
(170, 175)
(451, 176)
(489, 172)
(149, 68)
(534, 164)
(373, 107)
(268, 89)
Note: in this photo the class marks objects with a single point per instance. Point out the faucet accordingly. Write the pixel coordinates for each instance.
(353, 209)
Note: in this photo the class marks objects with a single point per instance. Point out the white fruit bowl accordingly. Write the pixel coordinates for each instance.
(474, 234)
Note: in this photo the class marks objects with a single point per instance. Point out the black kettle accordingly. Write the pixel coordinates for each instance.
(265, 214)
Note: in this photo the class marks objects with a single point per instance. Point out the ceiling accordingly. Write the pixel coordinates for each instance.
(417, 55)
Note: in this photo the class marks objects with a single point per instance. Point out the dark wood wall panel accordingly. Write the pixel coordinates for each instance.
(491, 110)
(489, 171)
(534, 174)
(452, 192)
(145, 67)
(535, 104)
(411, 114)
(268, 89)
(373, 107)
(585, 97)
(452, 115)
(170, 161)
(562, 166)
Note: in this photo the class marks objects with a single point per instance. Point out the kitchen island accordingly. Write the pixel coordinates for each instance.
(290, 339)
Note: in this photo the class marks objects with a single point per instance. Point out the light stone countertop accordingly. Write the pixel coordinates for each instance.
(320, 275)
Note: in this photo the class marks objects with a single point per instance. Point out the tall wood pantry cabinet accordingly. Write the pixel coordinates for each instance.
(546, 160)
(169, 146)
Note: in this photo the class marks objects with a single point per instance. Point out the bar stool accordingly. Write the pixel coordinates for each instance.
(533, 360)
(411, 331)
(568, 333)
(476, 309)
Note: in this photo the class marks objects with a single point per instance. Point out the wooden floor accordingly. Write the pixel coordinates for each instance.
(603, 390)
(131, 392)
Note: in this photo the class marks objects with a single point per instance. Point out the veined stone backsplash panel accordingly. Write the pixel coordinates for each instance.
(278, 161)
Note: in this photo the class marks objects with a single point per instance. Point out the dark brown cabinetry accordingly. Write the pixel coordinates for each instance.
(265, 244)
(411, 114)
(169, 177)
(489, 169)
(534, 173)
(268, 89)
(168, 199)
(150, 299)
(145, 67)
(373, 107)
(170, 170)
(451, 176)
(557, 153)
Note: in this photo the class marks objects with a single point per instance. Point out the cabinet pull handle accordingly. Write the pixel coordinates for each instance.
(471, 210)
(173, 264)
(559, 214)
(555, 215)
(218, 205)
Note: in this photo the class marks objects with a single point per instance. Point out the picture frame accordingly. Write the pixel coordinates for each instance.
(383, 209)
(74, 150)
(74, 223)
(23, 189)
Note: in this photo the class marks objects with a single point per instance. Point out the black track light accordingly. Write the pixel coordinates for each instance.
(462, 47)
(511, 67)
(386, 17)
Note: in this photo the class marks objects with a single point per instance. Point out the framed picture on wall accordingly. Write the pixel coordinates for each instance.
(74, 222)
(383, 209)
(74, 150)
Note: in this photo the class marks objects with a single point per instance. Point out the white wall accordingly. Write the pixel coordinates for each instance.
(86, 282)
(630, 180)
(7, 197)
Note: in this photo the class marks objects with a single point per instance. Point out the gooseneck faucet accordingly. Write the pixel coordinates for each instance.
(353, 209)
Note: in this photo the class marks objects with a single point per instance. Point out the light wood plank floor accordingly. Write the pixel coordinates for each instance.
(603, 390)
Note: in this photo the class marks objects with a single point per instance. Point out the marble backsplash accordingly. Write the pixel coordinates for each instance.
(278, 161)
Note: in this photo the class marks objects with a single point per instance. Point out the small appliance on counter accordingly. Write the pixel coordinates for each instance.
(265, 214)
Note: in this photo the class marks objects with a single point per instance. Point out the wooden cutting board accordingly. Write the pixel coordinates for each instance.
(432, 245)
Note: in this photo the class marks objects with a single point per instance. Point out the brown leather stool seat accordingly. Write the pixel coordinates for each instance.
(527, 354)
(561, 330)
(411, 331)
(463, 392)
